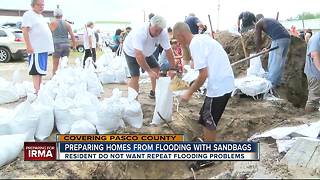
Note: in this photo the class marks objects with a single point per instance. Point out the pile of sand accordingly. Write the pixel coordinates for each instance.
(294, 84)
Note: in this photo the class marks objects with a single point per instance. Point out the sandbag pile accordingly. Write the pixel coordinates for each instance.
(115, 111)
(255, 83)
(112, 69)
(11, 91)
(69, 101)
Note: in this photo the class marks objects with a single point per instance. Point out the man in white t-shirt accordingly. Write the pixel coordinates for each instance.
(213, 64)
(138, 48)
(89, 43)
(38, 39)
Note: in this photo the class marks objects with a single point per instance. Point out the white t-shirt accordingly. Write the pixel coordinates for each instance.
(39, 34)
(141, 39)
(207, 52)
(86, 38)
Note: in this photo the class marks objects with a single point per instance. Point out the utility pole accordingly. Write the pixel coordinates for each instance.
(144, 16)
(218, 15)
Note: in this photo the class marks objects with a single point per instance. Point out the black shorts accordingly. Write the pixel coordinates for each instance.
(212, 110)
(134, 67)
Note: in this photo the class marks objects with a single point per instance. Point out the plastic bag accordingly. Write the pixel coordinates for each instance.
(164, 101)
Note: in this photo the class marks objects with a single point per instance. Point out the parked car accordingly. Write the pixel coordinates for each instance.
(11, 44)
(12, 25)
(79, 42)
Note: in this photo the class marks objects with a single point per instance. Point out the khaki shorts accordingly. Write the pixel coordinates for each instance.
(314, 92)
(186, 56)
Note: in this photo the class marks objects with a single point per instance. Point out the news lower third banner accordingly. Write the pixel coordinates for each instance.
(138, 147)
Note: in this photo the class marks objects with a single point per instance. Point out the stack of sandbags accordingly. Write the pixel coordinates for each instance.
(22, 120)
(113, 71)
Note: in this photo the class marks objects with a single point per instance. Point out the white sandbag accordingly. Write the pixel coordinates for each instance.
(164, 101)
(5, 125)
(82, 127)
(24, 120)
(255, 68)
(11, 146)
(132, 109)
(64, 62)
(51, 89)
(46, 121)
(8, 92)
(104, 60)
(77, 62)
(86, 101)
(106, 76)
(44, 105)
(115, 71)
(88, 104)
(110, 114)
(89, 64)
(253, 85)
(16, 77)
(120, 76)
(94, 85)
(44, 99)
(80, 87)
(24, 88)
(21, 91)
(62, 113)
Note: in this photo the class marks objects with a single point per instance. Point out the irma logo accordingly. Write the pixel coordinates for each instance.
(40, 151)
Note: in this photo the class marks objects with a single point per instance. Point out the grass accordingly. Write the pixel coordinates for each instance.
(75, 54)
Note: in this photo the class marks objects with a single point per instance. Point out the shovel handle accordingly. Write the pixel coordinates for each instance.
(256, 55)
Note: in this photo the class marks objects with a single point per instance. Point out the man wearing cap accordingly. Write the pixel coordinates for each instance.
(38, 39)
(60, 30)
(139, 47)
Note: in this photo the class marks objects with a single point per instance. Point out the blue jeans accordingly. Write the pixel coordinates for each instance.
(277, 60)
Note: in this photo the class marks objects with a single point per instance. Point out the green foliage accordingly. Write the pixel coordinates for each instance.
(308, 15)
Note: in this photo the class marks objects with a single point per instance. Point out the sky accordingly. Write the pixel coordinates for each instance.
(81, 11)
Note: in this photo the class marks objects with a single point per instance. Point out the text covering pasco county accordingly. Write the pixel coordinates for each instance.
(149, 147)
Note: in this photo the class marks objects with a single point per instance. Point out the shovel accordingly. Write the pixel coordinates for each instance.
(256, 55)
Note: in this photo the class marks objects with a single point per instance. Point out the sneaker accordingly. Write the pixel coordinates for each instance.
(152, 95)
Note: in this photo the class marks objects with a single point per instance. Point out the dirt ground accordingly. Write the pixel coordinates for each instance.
(242, 118)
